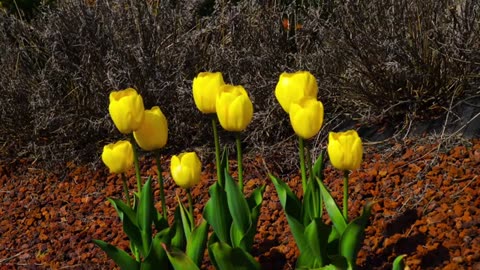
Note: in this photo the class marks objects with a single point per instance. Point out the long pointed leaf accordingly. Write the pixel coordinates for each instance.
(292, 207)
(317, 234)
(179, 260)
(254, 203)
(217, 214)
(120, 257)
(197, 243)
(237, 204)
(187, 219)
(157, 258)
(398, 263)
(290, 203)
(332, 208)
(319, 165)
(129, 222)
(233, 258)
(178, 236)
(352, 237)
(144, 216)
(123, 209)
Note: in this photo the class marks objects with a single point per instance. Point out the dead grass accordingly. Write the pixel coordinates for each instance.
(373, 60)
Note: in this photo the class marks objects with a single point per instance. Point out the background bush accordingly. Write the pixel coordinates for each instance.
(373, 60)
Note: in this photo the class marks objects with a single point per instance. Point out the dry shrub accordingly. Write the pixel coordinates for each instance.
(370, 57)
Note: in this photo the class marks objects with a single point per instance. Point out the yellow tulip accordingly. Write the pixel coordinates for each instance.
(206, 87)
(234, 108)
(306, 117)
(186, 169)
(345, 150)
(118, 157)
(292, 87)
(153, 132)
(126, 109)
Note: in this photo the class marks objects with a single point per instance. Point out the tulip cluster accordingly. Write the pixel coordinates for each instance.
(232, 215)
(321, 246)
(149, 130)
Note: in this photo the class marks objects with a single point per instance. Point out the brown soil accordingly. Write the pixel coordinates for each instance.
(427, 207)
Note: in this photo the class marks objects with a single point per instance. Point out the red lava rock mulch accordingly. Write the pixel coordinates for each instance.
(427, 208)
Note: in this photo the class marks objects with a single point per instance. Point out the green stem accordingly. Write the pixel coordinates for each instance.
(345, 195)
(301, 151)
(160, 182)
(135, 251)
(135, 162)
(239, 161)
(190, 203)
(125, 189)
(309, 162)
(217, 151)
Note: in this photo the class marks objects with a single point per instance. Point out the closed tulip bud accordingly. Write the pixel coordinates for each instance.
(186, 169)
(126, 109)
(153, 132)
(234, 108)
(306, 117)
(345, 150)
(118, 157)
(292, 87)
(206, 87)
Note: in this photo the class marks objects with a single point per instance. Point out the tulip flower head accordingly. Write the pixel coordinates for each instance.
(118, 157)
(153, 132)
(234, 108)
(345, 150)
(306, 117)
(206, 87)
(292, 87)
(186, 169)
(126, 109)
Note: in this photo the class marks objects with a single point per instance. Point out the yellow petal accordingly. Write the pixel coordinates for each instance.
(126, 110)
(292, 87)
(153, 132)
(118, 157)
(206, 87)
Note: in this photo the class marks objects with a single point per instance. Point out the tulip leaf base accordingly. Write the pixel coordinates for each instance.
(234, 221)
(321, 246)
(137, 224)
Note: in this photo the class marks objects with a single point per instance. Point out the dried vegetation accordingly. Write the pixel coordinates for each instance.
(373, 60)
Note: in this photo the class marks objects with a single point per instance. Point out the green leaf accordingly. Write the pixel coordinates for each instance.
(158, 220)
(120, 257)
(254, 204)
(123, 209)
(211, 240)
(292, 207)
(238, 206)
(178, 235)
(339, 262)
(197, 243)
(298, 232)
(230, 258)
(179, 260)
(317, 234)
(157, 257)
(318, 166)
(187, 219)
(144, 216)
(332, 208)
(289, 201)
(217, 214)
(398, 263)
(311, 202)
(129, 222)
(352, 238)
